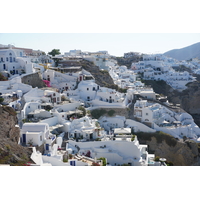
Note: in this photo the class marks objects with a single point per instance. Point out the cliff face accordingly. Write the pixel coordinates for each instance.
(188, 99)
(182, 154)
(102, 78)
(8, 120)
(128, 61)
(10, 152)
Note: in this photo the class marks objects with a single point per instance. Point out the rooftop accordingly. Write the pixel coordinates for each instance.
(122, 130)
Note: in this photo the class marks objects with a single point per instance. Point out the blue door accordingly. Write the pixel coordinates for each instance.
(47, 147)
(72, 163)
(24, 138)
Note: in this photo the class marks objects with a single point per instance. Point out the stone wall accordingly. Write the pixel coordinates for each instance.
(34, 80)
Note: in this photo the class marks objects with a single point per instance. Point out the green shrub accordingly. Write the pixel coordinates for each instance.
(133, 138)
(104, 160)
(159, 135)
(82, 109)
(98, 113)
(157, 158)
(111, 112)
(1, 100)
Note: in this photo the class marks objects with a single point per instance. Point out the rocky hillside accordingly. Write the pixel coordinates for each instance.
(180, 153)
(188, 99)
(10, 152)
(128, 61)
(102, 77)
(186, 53)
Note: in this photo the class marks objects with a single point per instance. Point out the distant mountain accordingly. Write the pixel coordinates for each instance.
(186, 53)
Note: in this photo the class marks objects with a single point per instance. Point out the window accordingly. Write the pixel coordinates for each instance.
(1, 59)
(6, 58)
(54, 94)
(40, 138)
(87, 88)
(146, 113)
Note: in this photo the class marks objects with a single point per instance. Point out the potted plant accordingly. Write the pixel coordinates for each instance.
(30, 142)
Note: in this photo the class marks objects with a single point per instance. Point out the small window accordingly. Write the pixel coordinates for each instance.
(54, 94)
(146, 113)
(87, 88)
(40, 138)
(6, 58)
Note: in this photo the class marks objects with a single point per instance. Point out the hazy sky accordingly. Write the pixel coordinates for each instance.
(115, 43)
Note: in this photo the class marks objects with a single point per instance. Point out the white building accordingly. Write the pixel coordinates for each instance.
(36, 134)
(87, 90)
(158, 67)
(48, 96)
(62, 81)
(8, 60)
(85, 128)
(162, 118)
(117, 152)
(109, 123)
(14, 61)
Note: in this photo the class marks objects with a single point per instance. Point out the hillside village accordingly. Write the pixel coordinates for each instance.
(69, 118)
